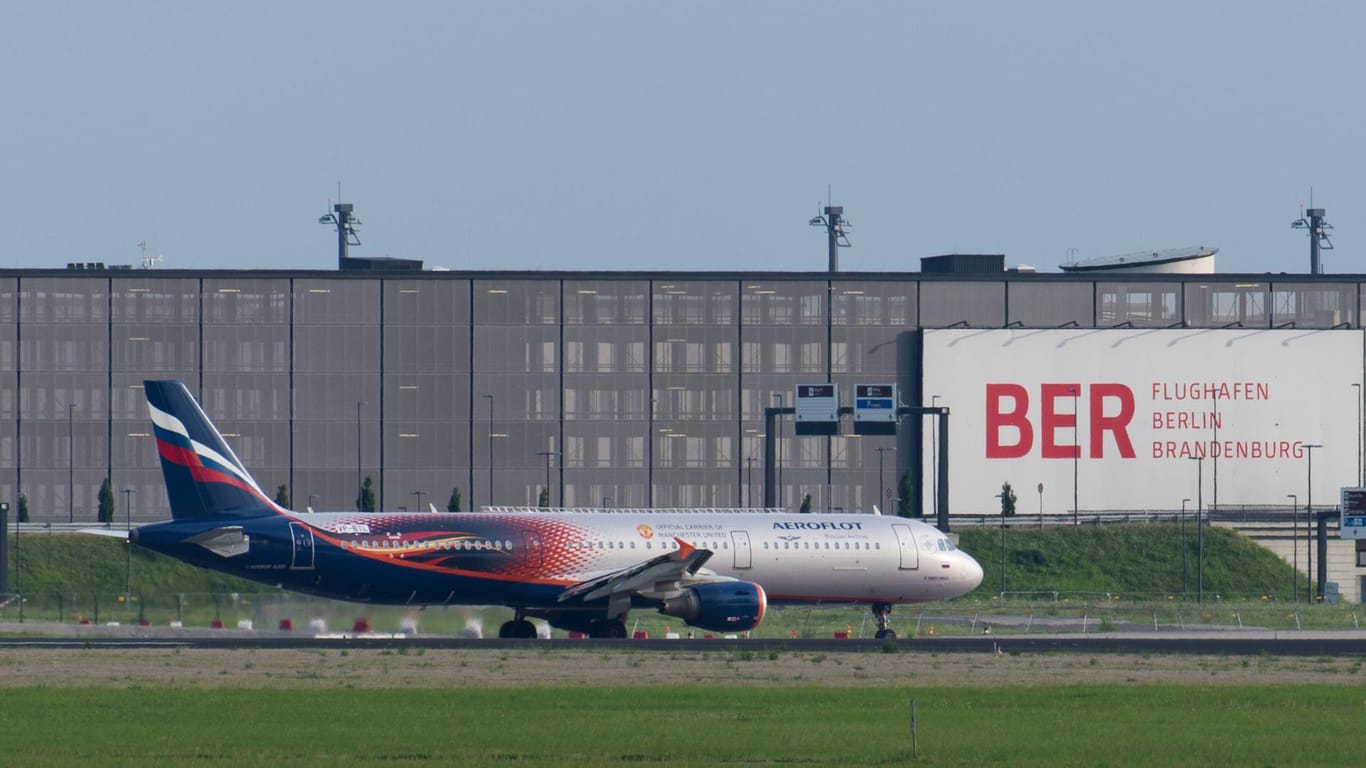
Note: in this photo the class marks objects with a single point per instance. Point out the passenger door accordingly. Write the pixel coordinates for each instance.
(535, 554)
(905, 543)
(302, 536)
(744, 558)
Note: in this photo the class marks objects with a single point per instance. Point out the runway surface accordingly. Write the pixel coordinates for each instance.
(1281, 643)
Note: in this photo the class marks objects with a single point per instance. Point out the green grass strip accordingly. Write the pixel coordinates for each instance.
(1045, 726)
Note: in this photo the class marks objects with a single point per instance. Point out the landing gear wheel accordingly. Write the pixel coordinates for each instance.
(518, 629)
(883, 613)
(608, 628)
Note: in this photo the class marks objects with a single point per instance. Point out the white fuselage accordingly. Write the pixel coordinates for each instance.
(795, 557)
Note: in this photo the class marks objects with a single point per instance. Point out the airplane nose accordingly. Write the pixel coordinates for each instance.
(972, 573)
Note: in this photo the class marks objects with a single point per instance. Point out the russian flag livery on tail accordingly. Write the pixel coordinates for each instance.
(204, 478)
(578, 570)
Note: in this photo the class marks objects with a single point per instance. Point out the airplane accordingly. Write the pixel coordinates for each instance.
(578, 571)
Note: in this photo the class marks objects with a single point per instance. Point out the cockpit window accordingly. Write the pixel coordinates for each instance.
(946, 546)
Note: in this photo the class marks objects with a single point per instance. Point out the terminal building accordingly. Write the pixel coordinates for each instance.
(649, 389)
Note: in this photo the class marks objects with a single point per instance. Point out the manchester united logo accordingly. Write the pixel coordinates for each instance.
(645, 531)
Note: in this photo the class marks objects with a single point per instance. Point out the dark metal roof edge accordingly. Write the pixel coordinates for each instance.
(1070, 276)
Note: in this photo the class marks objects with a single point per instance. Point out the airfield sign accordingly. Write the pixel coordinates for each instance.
(1353, 523)
(818, 409)
(875, 409)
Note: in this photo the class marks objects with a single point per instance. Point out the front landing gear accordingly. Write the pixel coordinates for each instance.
(883, 613)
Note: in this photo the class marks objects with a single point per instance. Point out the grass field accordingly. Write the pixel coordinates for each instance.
(716, 707)
(1068, 725)
(1132, 560)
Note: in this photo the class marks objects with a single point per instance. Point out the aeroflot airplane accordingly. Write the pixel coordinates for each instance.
(580, 571)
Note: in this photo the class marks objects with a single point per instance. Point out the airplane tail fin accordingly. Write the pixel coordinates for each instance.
(204, 478)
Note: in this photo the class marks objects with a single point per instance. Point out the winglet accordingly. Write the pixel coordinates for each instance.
(684, 548)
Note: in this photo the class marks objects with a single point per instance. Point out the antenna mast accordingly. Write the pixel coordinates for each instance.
(836, 232)
(1318, 235)
(343, 218)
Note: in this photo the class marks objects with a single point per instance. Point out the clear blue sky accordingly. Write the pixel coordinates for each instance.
(681, 135)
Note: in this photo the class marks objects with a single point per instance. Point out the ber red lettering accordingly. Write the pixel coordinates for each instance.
(1117, 424)
(1017, 418)
(1051, 420)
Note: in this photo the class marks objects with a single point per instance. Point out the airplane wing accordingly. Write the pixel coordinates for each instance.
(659, 577)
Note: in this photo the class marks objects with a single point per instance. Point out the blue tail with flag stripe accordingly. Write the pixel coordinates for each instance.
(204, 478)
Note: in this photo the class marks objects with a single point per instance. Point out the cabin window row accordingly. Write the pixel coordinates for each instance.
(665, 545)
(468, 545)
(828, 545)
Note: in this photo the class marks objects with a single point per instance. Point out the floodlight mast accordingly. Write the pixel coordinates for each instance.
(1312, 220)
(346, 223)
(836, 232)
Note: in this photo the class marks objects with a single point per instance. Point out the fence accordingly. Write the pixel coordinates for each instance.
(1018, 613)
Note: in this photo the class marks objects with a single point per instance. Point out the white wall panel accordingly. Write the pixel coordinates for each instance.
(1148, 402)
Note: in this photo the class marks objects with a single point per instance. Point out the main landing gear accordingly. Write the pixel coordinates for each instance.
(613, 628)
(519, 628)
(883, 613)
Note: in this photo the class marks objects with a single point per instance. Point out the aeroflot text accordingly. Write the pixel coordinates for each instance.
(818, 526)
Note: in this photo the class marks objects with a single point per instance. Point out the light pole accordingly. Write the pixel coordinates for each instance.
(749, 482)
(779, 427)
(547, 455)
(1199, 531)
(490, 399)
(1294, 542)
(359, 404)
(71, 465)
(418, 494)
(1002, 497)
(1041, 506)
(1185, 578)
(934, 457)
(1076, 449)
(880, 486)
(1358, 389)
(128, 568)
(18, 568)
(1214, 455)
(1308, 524)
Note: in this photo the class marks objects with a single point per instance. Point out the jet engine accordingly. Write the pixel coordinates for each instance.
(723, 606)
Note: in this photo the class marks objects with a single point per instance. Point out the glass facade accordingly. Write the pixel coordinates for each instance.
(154, 334)
(868, 340)
(516, 387)
(425, 395)
(1039, 304)
(1142, 304)
(615, 389)
(603, 454)
(62, 379)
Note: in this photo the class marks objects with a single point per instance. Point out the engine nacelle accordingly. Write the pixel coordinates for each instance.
(725, 606)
